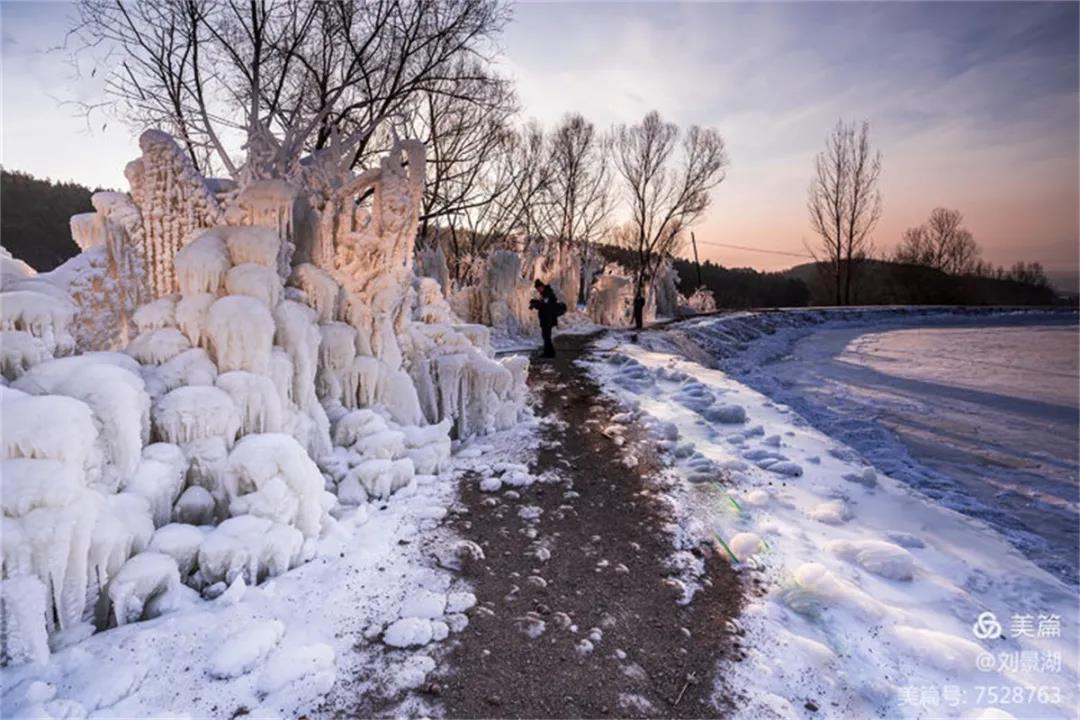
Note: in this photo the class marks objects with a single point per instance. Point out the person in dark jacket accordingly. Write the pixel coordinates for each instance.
(547, 307)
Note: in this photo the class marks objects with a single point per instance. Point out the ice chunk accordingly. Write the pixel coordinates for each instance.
(181, 543)
(248, 547)
(424, 604)
(195, 506)
(139, 581)
(408, 632)
(745, 544)
(256, 399)
(725, 413)
(51, 427)
(381, 477)
(311, 665)
(157, 346)
(121, 410)
(156, 315)
(881, 558)
(786, 467)
(459, 602)
(43, 316)
(191, 312)
(159, 479)
(27, 484)
(322, 291)
(187, 414)
(201, 265)
(47, 376)
(23, 637)
(271, 476)
(241, 332)
(20, 351)
(258, 245)
(832, 512)
(246, 649)
(428, 447)
(257, 281)
(191, 367)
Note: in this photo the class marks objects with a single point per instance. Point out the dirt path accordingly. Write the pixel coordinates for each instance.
(577, 613)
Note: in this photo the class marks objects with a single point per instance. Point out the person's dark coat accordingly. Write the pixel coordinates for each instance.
(547, 307)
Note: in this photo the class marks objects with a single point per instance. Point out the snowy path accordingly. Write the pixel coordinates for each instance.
(579, 590)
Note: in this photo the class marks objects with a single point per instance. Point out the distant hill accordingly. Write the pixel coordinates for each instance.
(34, 217)
(743, 287)
(881, 282)
(1066, 282)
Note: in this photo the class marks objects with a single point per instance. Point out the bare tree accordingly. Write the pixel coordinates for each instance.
(514, 183)
(280, 76)
(580, 200)
(1030, 273)
(465, 131)
(666, 185)
(845, 203)
(942, 243)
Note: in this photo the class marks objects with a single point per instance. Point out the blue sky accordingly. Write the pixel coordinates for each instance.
(974, 105)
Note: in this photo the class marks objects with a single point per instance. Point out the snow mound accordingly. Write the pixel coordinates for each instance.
(246, 649)
(192, 413)
(408, 632)
(241, 332)
(155, 347)
(180, 542)
(201, 265)
(879, 557)
(248, 547)
(139, 581)
(831, 512)
(271, 476)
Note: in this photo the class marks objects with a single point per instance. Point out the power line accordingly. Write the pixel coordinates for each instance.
(752, 249)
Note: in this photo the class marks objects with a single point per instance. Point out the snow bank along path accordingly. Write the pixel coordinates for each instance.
(872, 589)
(187, 415)
(1011, 455)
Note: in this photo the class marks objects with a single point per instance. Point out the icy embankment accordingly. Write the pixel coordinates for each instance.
(892, 382)
(871, 591)
(357, 624)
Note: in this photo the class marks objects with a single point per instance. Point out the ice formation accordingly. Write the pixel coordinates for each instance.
(243, 351)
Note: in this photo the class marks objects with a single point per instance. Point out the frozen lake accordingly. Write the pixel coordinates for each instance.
(982, 417)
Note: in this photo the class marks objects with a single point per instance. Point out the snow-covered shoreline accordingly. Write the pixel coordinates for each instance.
(872, 589)
(801, 358)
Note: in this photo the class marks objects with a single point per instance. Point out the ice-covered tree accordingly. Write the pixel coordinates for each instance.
(278, 78)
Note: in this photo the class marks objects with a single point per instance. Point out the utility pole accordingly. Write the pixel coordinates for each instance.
(693, 241)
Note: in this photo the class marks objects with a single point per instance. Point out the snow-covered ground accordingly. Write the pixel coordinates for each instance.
(875, 588)
(352, 629)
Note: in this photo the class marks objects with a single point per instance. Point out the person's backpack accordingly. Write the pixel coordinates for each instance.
(560, 309)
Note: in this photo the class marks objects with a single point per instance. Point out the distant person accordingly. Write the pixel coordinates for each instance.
(548, 308)
(639, 311)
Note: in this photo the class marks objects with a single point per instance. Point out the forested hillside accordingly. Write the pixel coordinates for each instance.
(34, 218)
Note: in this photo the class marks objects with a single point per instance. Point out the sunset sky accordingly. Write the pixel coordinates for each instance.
(974, 106)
